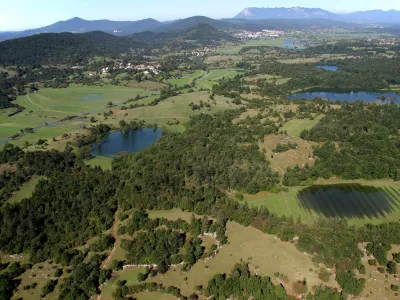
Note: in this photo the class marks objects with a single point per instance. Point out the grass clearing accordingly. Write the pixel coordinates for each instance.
(265, 251)
(26, 190)
(154, 296)
(173, 109)
(130, 275)
(278, 80)
(286, 202)
(295, 126)
(281, 161)
(103, 162)
(40, 274)
(172, 215)
(213, 76)
(377, 286)
(235, 48)
(187, 78)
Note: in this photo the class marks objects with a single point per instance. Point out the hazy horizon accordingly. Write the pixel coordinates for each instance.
(24, 14)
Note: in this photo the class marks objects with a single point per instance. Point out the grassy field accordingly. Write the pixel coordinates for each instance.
(173, 109)
(130, 275)
(377, 285)
(296, 126)
(234, 49)
(48, 106)
(268, 253)
(101, 161)
(154, 296)
(213, 76)
(40, 274)
(187, 78)
(281, 161)
(172, 215)
(26, 190)
(287, 203)
(270, 78)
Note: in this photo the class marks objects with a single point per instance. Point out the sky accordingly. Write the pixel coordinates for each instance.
(27, 14)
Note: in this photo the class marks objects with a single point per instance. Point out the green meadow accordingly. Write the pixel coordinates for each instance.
(213, 76)
(46, 108)
(187, 78)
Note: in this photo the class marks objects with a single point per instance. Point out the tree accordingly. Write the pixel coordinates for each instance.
(109, 104)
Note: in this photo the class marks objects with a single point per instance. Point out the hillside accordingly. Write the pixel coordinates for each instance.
(139, 26)
(78, 25)
(205, 32)
(61, 48)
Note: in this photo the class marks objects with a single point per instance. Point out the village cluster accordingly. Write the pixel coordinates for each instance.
(145, 68)
(202, 51)
(243, 35)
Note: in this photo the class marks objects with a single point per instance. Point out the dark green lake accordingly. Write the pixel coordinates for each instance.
(336, 94)
(349, 200)
(133, 141)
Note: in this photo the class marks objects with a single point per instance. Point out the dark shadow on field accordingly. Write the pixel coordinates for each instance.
(349, 200)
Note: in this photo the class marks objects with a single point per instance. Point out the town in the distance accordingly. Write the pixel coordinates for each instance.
(255, 156)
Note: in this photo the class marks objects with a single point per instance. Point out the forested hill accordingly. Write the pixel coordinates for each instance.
(204, 32)
(62, 48)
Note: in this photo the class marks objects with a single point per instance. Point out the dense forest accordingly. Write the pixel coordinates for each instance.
(355, 141)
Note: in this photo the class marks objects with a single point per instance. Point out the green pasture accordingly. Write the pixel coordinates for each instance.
(234, 49)
(173, 109)
(48, 106)
(187, 78)
(213, 76)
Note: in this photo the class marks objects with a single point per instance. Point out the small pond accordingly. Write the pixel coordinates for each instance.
(349, 200)
(329, 67)
(133, 141)
(335, 94)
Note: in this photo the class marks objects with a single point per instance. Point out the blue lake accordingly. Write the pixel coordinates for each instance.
(133, 141)
(329, 68)
(334, 95)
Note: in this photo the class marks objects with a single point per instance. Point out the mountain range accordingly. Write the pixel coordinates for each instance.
(125, 28)
(249, 19)
(364, 17)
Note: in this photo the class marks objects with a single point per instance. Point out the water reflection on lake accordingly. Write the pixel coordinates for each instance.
(349, 200)
(335, 94)
(133, 141)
